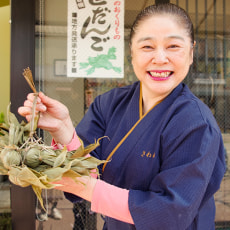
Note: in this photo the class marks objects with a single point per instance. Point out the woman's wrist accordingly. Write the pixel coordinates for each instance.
(64, 134)
(73, 145)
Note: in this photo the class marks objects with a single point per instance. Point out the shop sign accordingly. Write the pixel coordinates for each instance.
(95, 39)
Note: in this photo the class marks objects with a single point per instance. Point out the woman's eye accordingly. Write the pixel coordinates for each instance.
(147, 47)
(173, 46)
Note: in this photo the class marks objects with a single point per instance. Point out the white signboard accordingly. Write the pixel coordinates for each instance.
(95, 39)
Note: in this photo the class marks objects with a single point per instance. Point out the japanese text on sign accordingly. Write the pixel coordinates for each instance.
(95, 39)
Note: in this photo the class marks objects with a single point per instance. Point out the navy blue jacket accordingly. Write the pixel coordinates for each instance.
(172, 162)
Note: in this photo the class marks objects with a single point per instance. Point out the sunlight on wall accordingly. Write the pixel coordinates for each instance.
(4, 58)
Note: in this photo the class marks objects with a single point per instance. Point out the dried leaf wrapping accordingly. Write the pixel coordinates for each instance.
(80, 151)
(39, 165)
(60, 158)
(3, 170)
(55, 174)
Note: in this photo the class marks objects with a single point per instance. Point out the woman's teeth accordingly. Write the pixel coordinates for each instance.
(158, 74)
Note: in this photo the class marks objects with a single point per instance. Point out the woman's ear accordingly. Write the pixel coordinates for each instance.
(131, 52)
(194, 44)
(192, 51)
(130, 48)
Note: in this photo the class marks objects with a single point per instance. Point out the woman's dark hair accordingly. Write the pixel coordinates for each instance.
(167, 9)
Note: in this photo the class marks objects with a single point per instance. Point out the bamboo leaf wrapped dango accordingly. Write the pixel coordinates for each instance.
(29, 162)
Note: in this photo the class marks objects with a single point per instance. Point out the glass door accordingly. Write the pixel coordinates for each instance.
(208, 79)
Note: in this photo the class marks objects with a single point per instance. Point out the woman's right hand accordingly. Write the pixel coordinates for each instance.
(54, 117)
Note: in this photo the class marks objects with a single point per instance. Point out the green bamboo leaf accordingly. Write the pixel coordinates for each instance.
(11, 134)
(81, 171)
(93, 146)
(61, 158)
(72, 174)
(26, 126)
(91, 162)
(87, 165)
(58, 152)
(68, 165)
(75, 162)
(49, 161)
(38, 192)
(3, 170)
(42, 168)
(80, 151)
(94, 160)
(16, 135)
(43, 178)
(48, 152)
(19, 137)
(15, 177)
(4, 141)
(55, 173)
(24, 176)
(11, 118)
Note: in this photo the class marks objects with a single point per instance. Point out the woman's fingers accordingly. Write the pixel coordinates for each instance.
(31, 97)
(28, 103)
(55, 107)
(49, 102)
(24, 111)
(27, 108)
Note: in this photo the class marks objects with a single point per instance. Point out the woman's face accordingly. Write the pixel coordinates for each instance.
(161, 55)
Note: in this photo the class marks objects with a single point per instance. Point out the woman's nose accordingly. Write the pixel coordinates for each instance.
(160, 57)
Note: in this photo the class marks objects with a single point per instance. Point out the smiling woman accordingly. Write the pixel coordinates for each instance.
(161, 55)
(164, 153)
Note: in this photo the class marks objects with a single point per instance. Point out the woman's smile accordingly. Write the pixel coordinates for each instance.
(160, 75)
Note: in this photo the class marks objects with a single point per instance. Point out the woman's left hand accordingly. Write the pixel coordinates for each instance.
(83, 188)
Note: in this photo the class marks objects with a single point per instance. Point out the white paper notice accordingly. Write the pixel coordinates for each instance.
(95, 39)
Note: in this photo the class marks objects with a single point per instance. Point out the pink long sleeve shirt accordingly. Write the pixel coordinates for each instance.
(107, 199)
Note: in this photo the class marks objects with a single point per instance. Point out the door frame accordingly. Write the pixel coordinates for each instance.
(22, 56)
